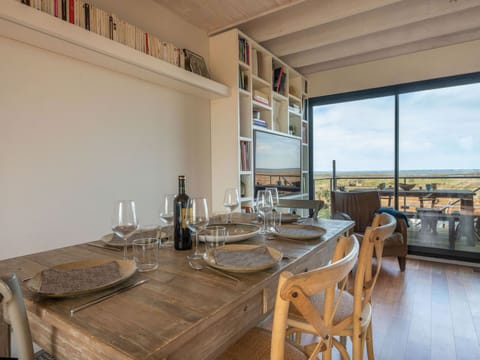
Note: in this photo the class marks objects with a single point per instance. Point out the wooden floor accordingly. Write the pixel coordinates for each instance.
(431, 311)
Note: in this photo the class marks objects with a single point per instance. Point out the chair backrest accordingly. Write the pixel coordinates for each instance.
(297, 289)
(366, 273)
(15, 315)
(360, 206)
(314, 205)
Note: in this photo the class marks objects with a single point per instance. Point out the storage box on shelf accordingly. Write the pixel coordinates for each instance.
(28, 25)
(266, 94)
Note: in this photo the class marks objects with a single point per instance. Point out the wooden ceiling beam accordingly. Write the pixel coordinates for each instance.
(427, 44)
(377, 20)
(308, 14)
(420, 31)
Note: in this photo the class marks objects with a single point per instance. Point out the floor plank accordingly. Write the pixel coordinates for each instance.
(431, 311)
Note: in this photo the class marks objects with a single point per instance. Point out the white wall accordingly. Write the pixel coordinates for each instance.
(446, 61)
(74, 138)
(160, 21)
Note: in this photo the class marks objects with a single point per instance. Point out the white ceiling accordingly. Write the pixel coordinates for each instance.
(316, 35)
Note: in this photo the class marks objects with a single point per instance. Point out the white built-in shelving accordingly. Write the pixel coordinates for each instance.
(28, 25)
(257, 91)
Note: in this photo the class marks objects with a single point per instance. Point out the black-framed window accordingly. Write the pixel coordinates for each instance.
(397, 93)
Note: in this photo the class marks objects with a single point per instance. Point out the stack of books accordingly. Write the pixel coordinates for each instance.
(294, 107)
(260, 122)
(261, 97)
(94, 19)
(245, 155)
(244, 50)
(242, 79)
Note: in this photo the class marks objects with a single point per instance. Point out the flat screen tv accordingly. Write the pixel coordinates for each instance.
(277, 163)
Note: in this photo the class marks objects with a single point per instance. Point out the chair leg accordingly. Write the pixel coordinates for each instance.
(357, 347)
(402, 261)
(370, 353)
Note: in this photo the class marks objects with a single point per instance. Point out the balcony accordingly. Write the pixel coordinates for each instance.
(443, 210)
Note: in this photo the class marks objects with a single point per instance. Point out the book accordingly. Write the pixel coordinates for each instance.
(71, 11)
(260, 97)
(261, 100)
(254, 62)
(260, 122)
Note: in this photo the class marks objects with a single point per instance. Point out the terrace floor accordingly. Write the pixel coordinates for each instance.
(440, 239)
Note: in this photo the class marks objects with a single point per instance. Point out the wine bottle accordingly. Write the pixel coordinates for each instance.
(182, 238)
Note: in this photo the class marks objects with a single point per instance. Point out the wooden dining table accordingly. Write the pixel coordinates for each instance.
(180, 313)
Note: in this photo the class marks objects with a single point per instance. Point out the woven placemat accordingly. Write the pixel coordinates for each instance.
(298, 232)
(56, 281)
(258, 256)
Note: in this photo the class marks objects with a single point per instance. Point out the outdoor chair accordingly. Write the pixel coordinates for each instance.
(314, 205)
(360, 206)
(297, 290)
(353, 317)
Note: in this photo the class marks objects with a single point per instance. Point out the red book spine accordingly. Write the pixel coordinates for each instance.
(55, 8)
(147, 49)
(71, 11)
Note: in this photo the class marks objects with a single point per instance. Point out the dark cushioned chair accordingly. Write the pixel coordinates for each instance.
(360, 206)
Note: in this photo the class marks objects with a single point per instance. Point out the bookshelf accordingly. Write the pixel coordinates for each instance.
(28, 25)
(265, 94)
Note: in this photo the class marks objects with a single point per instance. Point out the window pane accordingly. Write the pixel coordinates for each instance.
(359, 135)
(440, 154)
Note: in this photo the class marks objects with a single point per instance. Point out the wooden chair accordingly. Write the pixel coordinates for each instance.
(314, 205)
(15, 314)
(297, 289)
(353, 317)
(360, 206)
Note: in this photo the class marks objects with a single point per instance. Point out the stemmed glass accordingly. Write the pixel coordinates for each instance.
(197, 219)
(231, 201)
(274, 192)
(166, 216)
(264, 206)
(124, 221)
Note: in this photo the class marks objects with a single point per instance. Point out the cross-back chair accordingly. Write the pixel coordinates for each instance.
(297, 290)
(353, 317)
(15, 314)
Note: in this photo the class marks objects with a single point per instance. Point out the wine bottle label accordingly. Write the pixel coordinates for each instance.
(183, 219)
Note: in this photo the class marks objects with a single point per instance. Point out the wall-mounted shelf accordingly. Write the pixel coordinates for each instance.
(25, 24)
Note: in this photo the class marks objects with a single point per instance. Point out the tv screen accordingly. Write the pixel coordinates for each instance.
(277, 163)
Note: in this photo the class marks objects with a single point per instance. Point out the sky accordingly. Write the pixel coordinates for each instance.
(439, 129)
(276, 151)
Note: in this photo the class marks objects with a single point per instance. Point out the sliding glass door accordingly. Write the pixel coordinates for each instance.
(439, 151)
(423, 137)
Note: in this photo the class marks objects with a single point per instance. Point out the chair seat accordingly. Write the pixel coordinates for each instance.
(255, 345)
(394, 241)
(344, 310)
(43, 355)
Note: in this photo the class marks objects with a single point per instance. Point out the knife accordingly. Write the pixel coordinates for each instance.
(231, 277)
(107, 296)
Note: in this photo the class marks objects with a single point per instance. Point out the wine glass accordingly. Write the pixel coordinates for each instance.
(274, 192)
(124, 221)
(197, 219)
(264, 206)
(166, 217)
(231, 201)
